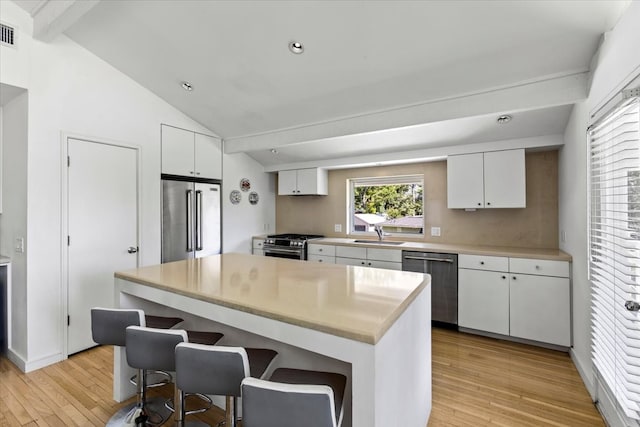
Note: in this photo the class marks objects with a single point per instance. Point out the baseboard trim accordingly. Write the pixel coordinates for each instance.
(587, 375)
(608, 407)
(32, 365)
(16, 359)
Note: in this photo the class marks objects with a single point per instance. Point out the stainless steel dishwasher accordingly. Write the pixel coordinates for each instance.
(443, 269)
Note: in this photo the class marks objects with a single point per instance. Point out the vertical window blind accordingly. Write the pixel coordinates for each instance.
(614, 246)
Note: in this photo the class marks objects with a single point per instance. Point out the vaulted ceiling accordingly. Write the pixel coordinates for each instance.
(435, 72)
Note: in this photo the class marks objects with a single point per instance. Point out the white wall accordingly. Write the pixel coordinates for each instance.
(13, 220)
(73, 91)
(244, 220)
(618, 61)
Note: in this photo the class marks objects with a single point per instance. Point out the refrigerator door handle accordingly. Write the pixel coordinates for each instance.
(199, 237)
(189, 225)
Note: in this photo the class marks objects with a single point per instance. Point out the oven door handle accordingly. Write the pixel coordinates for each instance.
(280, 251)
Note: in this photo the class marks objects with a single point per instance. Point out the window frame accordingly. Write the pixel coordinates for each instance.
(381, 181)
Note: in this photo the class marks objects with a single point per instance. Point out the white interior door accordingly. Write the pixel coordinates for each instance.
(102, 226)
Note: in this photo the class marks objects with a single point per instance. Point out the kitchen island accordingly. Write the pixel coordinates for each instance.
(373, 325)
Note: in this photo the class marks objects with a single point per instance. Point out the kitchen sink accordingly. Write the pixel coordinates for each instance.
(378, 242)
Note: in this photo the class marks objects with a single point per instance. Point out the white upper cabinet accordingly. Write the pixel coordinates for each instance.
(187, 153)
(465, 184)
(486, 180)
(504, 179)
(300, 182)
(208, 156)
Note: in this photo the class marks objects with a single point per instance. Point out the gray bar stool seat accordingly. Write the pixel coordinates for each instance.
(161, 322)
(150, 349)
(217, 370)
(293, 398)
(108, 327)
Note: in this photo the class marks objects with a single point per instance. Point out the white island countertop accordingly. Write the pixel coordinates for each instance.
(351, 302)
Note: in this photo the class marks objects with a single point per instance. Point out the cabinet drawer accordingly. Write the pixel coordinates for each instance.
(388, 265)
(258, 243)
(539, 267)
(351, 252)
(392, 255)
(482, 262)
(351, 261)
(322, 250)
(322, 258)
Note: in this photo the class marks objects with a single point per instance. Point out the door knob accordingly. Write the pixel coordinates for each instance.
(632, 306)
(132, 249)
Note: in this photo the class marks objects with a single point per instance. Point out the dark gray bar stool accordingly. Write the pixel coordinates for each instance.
(217, 370)
(150, 349)
(293, 398)
(108, 326)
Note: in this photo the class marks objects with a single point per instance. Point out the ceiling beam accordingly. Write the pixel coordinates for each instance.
(52, 18)
(547, 142)
(548, 92)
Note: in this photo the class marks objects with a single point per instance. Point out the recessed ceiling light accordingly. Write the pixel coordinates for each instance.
(187, 86)
(296, 47)
(274, 151)
(505, 118)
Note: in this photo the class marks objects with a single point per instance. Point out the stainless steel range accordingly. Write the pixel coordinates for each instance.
(292, 246)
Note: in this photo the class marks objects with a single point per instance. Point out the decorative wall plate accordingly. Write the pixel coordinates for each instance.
(235, 196)
(253, 198)
(245, 184)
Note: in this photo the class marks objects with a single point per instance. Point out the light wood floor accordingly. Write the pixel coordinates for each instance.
(476, 381)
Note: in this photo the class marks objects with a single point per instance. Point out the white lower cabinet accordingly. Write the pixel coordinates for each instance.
(321, 253)
(483, 300)
(519, 297)
(539, 308)
(391, 259)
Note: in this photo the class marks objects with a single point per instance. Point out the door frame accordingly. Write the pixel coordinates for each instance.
(64, 219)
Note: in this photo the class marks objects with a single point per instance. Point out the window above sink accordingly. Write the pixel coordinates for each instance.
(394, 203)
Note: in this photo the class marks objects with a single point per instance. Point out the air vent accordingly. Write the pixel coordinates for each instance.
(6, 35)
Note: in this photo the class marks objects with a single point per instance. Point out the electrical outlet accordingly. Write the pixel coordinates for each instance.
(19, 245)
(563, 236)
(435, 231)
(337, 228)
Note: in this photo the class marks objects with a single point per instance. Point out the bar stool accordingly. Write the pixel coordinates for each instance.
(217, 370)
(152, 349)
(293, 398)
(108, 326)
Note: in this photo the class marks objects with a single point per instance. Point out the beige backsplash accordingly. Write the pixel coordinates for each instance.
(536, 226)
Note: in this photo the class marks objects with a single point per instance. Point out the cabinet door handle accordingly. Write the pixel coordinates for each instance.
(488, 203)
(369, 264)
(514, 278)
(481, 262)
(320, 250)
(362, 263)
(479, 204)
(504, 277)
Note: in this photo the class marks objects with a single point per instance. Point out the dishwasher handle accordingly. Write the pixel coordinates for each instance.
(419, 258)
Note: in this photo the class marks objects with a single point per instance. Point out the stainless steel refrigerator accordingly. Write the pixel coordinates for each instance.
(190, 218)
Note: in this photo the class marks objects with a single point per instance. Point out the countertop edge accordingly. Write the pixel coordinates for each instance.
(361, 337)
(513, 252)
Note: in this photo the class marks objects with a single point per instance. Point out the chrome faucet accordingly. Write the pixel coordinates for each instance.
(379, 231)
